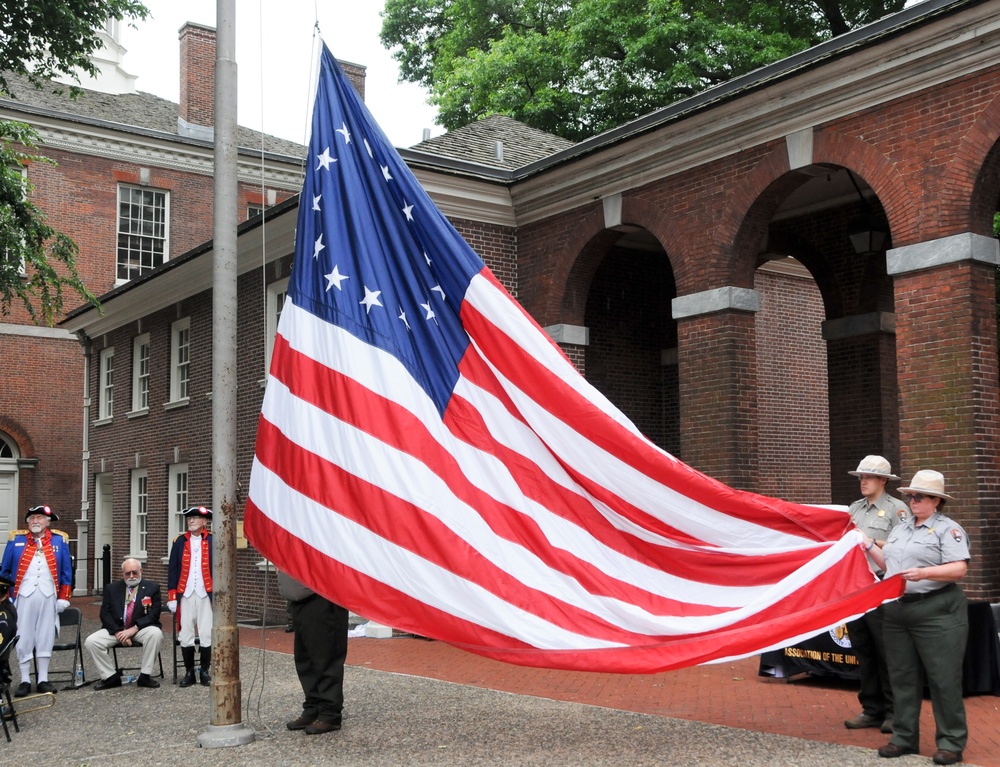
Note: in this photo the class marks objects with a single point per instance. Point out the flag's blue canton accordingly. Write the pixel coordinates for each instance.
(372, 252)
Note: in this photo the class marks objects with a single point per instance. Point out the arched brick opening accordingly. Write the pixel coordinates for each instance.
(620, 286)
(851, 398)
(19, 435)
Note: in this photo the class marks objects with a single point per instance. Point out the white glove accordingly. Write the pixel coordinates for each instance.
(61, 604)
(172, 605)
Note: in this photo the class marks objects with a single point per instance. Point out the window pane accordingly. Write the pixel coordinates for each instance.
(142, 231)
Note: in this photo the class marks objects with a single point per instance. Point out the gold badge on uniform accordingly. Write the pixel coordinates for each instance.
(881, 512)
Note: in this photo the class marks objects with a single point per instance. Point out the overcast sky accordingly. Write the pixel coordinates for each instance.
(350, 29)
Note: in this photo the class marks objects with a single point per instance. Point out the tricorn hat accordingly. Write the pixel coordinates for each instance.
(198, 511)
(927, 482)
(44, 511)
(874, 465)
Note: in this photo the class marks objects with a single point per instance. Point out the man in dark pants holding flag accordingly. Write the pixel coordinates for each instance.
(320, 652)
(874, 514)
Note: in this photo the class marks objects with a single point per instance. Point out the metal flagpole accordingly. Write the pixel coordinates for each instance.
(226, 727)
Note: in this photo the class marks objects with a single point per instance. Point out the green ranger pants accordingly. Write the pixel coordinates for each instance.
(926, 639)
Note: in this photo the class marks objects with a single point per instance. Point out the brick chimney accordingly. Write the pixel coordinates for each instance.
(196, 117)
(356, 74)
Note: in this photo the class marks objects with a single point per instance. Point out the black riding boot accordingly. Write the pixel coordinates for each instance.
(206, 662)
(188, 654)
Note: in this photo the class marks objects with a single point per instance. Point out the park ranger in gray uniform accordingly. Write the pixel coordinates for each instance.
(874, 514)
(928, 626)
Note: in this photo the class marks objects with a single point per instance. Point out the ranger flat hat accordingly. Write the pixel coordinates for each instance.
(876, 466)
(198, 511)
(927, 482)
(44, 511)
(6, 583)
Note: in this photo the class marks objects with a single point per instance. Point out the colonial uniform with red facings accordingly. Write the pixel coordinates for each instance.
(39, 564)
(189, 585)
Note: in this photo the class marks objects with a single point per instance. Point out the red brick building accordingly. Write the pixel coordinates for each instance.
(772, 278)
(132, 186)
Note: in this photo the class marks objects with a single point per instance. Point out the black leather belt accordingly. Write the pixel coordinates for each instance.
(907, 598)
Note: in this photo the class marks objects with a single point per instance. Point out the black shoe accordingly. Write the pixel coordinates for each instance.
(145, 680)
(22, 689)
(320, 727)
(301, 723)
(46, 687)
(206, 678)
(106, 684)
(188, 679)
(891, 751)
(947, 757)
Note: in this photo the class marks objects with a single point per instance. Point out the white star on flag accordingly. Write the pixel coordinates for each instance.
(324, 159)
(334, 278)
(370, 299)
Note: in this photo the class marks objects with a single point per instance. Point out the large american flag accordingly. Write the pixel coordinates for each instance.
(427, 457)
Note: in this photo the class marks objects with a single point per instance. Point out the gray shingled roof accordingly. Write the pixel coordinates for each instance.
(476, 142)
(139, 110)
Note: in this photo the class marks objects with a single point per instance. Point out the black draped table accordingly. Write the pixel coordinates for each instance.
(830, 654)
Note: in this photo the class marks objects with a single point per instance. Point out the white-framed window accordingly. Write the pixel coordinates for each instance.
(106, 385)
(140, 373)
(180, 359)
(140, 508)
(177, 499)
(254, 210)
(276, 294)
(143, 216)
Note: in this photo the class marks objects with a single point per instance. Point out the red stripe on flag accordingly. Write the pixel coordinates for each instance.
(352, 403)
(592, 424)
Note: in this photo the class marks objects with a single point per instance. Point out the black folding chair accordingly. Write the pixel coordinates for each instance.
(7, 712)
(134, 646)
(71, 620)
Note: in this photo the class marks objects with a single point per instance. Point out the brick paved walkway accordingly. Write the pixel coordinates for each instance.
(729, 694)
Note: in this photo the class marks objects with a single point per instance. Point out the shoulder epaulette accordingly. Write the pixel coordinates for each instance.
(14, 533)
(65, 536)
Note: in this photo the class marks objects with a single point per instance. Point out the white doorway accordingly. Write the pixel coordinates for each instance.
(104, 519)
(8, 487)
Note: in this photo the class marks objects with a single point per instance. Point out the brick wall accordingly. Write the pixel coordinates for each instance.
(948, 389)
(43, 414)
(794, 432)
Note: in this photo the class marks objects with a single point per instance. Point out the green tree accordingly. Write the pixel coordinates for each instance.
(42, 39)
(579, 67)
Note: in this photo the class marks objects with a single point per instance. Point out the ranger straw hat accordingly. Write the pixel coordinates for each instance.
(876, 466)
(927, 482)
